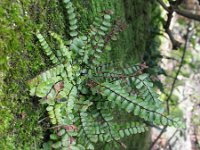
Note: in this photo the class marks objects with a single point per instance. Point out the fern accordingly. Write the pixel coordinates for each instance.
(80, 94)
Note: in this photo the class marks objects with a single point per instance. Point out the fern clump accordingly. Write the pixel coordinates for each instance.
(80, 93)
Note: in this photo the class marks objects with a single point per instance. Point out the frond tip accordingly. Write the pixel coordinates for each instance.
(72, 18)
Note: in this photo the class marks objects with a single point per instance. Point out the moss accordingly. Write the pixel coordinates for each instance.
(23, 58)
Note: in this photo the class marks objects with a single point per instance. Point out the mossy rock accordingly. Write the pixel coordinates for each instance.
(23, 58)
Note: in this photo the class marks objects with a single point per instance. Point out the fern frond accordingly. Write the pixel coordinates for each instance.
(131, 104)
(77, 46)
(72, 18)
(132, 128)
(145, 88)
(47, 49)
(100, 27)
(141, 82)
(133, 77)
(97, 37)
(43, 83)
(63, 53)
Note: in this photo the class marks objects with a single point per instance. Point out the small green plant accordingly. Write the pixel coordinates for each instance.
(81, 92)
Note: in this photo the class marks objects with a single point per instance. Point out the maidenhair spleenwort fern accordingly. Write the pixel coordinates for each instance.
(81, 95)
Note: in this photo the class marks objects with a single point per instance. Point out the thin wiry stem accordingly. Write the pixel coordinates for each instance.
(188, 35)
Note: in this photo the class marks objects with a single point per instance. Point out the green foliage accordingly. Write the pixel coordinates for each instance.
(80, 93)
